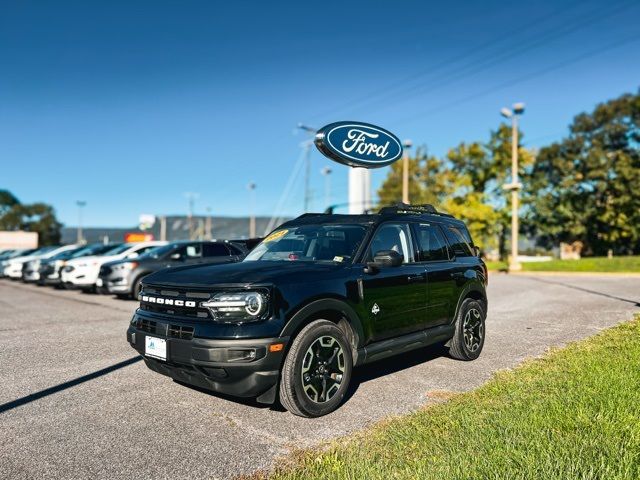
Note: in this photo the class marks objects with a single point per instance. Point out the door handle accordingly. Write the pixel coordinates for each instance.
(417, 278)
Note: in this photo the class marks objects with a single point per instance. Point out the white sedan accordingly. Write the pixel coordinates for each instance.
(83, 272)
(13, 267)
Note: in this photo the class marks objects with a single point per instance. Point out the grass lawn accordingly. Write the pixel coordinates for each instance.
(590, 264)
(575, 413)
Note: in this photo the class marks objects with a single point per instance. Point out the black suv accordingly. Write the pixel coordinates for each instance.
(321, 294)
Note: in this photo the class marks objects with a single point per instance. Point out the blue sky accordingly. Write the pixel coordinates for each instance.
(129, 104)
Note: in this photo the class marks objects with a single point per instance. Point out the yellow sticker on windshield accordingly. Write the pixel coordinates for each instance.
(338, 258)
(275, 236)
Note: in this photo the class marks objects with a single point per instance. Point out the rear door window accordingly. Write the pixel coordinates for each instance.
(433, 246)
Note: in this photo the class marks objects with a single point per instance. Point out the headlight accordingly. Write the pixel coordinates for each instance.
(237, 306)
(126, 266)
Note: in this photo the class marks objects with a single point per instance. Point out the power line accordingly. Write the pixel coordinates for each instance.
(522, 78)
(445, 63)
(482, 64)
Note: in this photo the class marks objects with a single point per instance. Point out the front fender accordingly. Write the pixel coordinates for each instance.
(300, 318)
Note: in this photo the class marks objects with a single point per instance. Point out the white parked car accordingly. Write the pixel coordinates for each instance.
(83, 272)
(31, 268)
(13, 266)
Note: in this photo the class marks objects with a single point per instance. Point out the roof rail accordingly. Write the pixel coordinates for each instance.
(412, 209)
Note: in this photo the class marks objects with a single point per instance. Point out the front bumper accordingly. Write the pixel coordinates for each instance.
(115, 283)
(205, 363)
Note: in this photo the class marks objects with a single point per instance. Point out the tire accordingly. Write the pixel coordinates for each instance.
(470, 331)
(319, 365)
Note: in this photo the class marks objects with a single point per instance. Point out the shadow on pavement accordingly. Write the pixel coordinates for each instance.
(361, 375)
(394, 364)
(587, 290)
(66, 385)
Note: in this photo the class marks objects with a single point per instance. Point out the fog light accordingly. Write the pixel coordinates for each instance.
(241, 355)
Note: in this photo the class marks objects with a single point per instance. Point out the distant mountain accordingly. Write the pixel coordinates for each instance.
(177, 228)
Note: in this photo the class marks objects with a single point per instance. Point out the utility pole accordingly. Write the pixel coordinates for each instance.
(191, 197)
(163, 228)
(515, 186)
(307, 159)
(208, 235)
(407, 144)
(252, 217)
(81, 204)
(326, 171)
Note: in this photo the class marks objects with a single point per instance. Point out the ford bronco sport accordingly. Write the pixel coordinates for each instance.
(319, 296)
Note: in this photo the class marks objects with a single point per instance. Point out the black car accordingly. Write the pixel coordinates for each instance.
(50, 268)
(320, 295)
(123, 277)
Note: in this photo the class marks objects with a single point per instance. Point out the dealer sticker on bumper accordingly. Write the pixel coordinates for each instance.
(155, 347)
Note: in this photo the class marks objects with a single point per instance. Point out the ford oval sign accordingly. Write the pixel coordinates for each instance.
(358, 144)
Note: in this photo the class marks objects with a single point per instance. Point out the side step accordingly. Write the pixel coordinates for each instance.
(405, 343)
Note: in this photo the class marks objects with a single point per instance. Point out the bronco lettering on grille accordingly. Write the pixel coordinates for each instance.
(169, 301)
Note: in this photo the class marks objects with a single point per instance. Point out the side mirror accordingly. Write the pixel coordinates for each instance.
(176, 256)
(133, 255)
(387, 258)
(476, 250)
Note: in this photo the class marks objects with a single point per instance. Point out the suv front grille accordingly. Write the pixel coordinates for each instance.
(105, 270)
(182, 295)
(174, 331)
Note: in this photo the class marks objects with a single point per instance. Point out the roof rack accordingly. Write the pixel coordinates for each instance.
(412, 209)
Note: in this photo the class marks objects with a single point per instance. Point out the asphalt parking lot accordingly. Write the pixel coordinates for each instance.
(76, 402)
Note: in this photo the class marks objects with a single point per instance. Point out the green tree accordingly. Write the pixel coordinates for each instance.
(587, 186)
(7, 201)
(36, 217)
(467, 183)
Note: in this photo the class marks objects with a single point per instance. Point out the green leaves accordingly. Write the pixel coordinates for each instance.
(587, 186)
(36, 217)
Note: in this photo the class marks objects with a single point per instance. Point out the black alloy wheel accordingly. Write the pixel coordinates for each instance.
(469, 335)
(317, 370)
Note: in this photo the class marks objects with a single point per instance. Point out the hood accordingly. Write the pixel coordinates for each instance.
(91, 259)
(242, 273)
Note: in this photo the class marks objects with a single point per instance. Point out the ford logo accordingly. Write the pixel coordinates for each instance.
(358, 144)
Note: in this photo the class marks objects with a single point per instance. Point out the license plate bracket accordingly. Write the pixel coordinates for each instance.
(155, 347)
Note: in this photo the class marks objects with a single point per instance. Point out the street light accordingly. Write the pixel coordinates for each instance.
(407, 144)
(208, 234)
(513, 113)
(307, 154)
(81, 204)
(326, 171)
(191, 197)
(252, 217)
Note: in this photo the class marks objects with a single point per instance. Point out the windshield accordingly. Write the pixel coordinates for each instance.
(159, 252)
(97, 249)
(310, 243)
(122, 248)
(44, 250)
(67, 254)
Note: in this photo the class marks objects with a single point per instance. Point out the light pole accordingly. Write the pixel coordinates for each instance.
(326, 171)
(81, 204)
(307, 158)
(252, 217)
(515, 186)
(208, 233)
(191, 197)
(407, 144)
